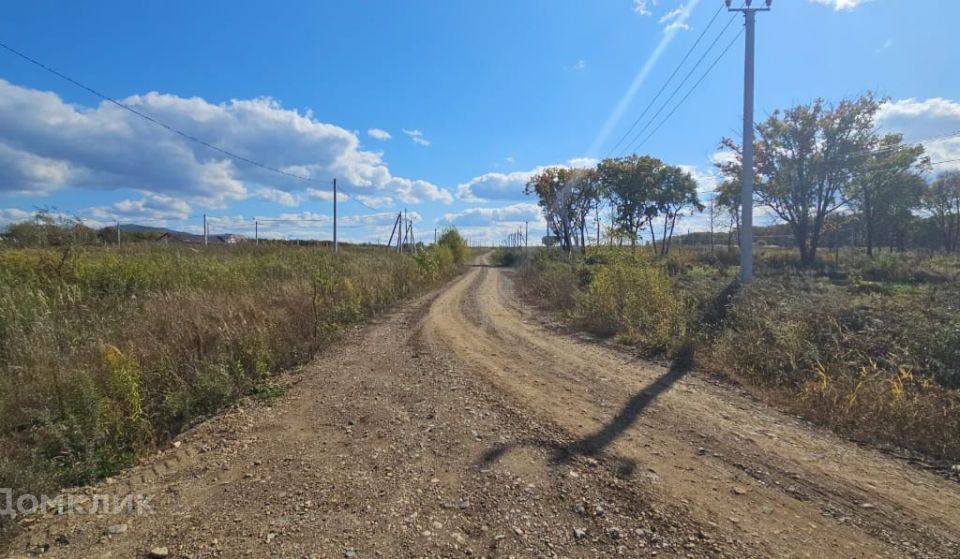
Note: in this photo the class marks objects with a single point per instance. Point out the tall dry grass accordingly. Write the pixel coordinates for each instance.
(104, 353)
(872, 350)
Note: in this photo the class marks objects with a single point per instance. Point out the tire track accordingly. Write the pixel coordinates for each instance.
(778, 484)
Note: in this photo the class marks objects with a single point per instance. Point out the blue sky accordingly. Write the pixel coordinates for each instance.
(443, 108)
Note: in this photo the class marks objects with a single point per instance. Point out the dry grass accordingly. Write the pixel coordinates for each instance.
(104, 353)
(871, 350)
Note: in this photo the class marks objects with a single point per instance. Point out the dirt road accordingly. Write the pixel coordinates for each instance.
(460, 426)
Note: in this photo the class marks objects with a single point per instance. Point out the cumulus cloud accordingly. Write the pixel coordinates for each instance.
(378, 134)
(151, 207)
(509, 186)
(417, 137)
(326, 195)
(932, 122)
(840, 5)
(14, 215)
(482, 217)
(376, 201)
(277, 196)
(46, 144)
(707, 179)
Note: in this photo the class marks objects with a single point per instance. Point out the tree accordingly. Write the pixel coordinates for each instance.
(552, 188)
(647, 193)
(675, 192)
(630, 183)
(942, 200)
(567, 197)
(49, 229)
(806, 158)
(887, 189)
(452, 239)
(727, 200)
(585, 197)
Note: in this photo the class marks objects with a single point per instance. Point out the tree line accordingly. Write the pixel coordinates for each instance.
(645, 196)
(817, 165)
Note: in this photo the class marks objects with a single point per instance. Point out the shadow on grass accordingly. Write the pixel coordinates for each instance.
(595, 443)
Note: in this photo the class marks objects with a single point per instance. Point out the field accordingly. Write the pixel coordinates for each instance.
(105, 353)
(869, 347)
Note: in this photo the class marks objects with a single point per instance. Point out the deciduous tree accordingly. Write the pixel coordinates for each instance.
(806, 158)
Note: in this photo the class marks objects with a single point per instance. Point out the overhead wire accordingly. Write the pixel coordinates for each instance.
(667, 82)
(170, 128)
(692, 89)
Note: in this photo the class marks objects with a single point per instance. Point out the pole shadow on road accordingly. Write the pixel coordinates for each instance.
(595, 443)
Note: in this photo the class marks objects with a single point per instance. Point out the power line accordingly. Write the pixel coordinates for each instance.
(692, 89)
(946, 161)
(154, 120)
(676, 90)
(166, 126)
(666, 83)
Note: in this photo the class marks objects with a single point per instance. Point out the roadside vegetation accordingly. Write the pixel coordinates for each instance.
(107, 352)
(854, 318)
(872, 351)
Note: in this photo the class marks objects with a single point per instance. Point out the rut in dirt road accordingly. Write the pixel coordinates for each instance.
(785, 488)
(459, 426)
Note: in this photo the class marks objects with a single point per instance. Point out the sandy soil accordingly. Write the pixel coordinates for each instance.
(460, 426)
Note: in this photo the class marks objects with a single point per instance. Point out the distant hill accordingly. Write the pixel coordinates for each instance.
(135, 228)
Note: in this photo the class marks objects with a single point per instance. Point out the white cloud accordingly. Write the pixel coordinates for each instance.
(325, 195)
(510, 160)
(413, 191)
(417, 137)
(151, 207)
(481, 217)
(378, 202)
(47, 144)
(932, 122)
(839, 5)
(676, 19)
(579, 65)
(14, 215)
(643, 7)
(495, 186)
(707, 180)
(378, 134)
(279, 197)
(581, 162)
(509, 186)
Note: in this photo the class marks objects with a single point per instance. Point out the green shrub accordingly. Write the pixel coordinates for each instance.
(633, 300)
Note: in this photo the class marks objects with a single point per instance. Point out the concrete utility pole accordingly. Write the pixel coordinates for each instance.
(205, 230)
(336, 248)
(256, 232)
(118, 232)
(746, 178)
